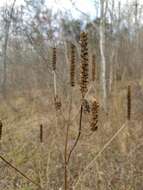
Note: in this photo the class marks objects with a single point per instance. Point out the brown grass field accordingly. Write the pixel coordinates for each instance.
(96, 162)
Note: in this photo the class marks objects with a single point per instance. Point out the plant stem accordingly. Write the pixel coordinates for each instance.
(78, 136)
(66, 146)
(65, 156)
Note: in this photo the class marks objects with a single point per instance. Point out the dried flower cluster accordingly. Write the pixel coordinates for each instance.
(129, 103)
(86, 106)
(84, 63)
(93, 67)
(94, 115)
(1, 125)
(72, 66)
(54, 60)
(41, 133)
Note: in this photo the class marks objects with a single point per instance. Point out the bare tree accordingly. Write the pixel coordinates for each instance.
(8, 21)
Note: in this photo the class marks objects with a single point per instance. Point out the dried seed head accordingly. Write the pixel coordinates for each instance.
(86, 106)
(94, 115)
(93, 67)
(129, 103)
(58, 103)
(84, 63)
(1, 125)
(54, 60)
(72, 66)
(41, 133)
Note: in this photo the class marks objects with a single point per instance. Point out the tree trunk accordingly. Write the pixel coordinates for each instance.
(102, 53)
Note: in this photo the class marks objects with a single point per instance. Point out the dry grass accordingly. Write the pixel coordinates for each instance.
(119, 166)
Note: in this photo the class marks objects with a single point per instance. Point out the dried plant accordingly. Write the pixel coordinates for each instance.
(72, 66)
(94, 115)
(58, 103)
(41, 133)
(83, 84)
(1, 126)
(86, 106)
(129, 103)
(93, 67)
(54, 60)
(83, 88)
(84, 63)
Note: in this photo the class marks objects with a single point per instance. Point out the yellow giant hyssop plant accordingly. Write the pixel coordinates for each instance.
(84, 77)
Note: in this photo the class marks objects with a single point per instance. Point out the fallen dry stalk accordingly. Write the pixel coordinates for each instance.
(84, 172)
(18, 171)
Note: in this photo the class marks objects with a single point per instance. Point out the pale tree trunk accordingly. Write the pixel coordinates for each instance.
(114, 46)
(111, 76)
(102, 53)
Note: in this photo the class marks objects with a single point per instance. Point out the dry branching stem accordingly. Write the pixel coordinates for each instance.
(78, 136)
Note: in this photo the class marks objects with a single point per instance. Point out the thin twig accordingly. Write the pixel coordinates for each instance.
(98, 154)
(18, 171)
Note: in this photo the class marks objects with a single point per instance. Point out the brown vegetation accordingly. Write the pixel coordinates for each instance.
(54, 131)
